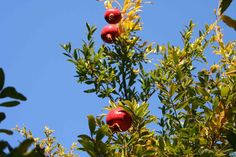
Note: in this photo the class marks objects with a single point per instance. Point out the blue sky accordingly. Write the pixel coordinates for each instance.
(30, 34)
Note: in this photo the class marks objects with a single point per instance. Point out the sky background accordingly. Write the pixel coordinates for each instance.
(30, 34)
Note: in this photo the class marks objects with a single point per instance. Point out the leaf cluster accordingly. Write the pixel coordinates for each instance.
(49, 144)
(6, 150)
(112, 71)
(138, 140)
(197, 105)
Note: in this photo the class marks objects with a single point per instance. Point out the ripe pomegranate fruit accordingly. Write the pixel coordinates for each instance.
(119, 120)
(109, 32)
(112, 16)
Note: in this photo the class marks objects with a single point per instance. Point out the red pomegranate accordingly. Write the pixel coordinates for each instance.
(119, 120)
(109, 32)
(112, 16)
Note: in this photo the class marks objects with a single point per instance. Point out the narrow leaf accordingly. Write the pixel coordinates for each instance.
(88, 27)
(2, 116)
(67, 55)
(229, 21)
(88, 146)
(85, 137)
(142, 110)
(172, 89)
(182, 105)
(2, 78)
(90, 90)
(231, 73)
(10, 104)
(224, 4)
(5, 131)
(92, 125)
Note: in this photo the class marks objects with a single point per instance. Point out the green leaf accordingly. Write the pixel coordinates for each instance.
(231, 137)
(179, 96)
(224, 91)
(231, 73)
(101, 132)
(3, 145)
(67, 55)
(171, 117)
(162, 144)
(181, 105)
(88, 27)
(2, 78)
(89, 82)
(90, 31)
(203, 91)
(142, 110)
(12, 93)
(23, 147)
(202, 141)
(36, 152)
(92, 124)
(229, 21)
(175, 57)
(67, 47)
(10, 104)
(224, 4)
(2, 116)
(85, 137)
(149, 153)
(8, 132)
(215, 103)
(87, 146)
(75, 55)
(90, 90)
(172, 89)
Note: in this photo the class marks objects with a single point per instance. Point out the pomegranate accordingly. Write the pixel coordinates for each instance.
(112, 16)
(109, 32)
(119, 120)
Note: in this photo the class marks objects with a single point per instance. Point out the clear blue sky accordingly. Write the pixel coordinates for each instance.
(30, 34)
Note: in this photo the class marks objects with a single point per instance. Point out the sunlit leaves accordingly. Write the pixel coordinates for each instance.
(42, 147)
(130, 21)
(196, 100)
